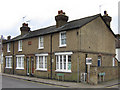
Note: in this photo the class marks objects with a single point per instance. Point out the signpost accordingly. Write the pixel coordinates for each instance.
(88, 62)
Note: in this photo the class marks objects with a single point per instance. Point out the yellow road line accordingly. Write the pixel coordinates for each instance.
(112, 86)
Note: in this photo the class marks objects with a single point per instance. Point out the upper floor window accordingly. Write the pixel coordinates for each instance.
(8, 47)
(20, 45)
(113, 61)
(41, 42)
(62, 39)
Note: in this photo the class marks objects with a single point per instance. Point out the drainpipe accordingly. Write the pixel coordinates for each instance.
(51, 55)
(85, 63)
(13, 57)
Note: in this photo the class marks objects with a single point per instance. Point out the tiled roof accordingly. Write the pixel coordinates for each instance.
(52, 29)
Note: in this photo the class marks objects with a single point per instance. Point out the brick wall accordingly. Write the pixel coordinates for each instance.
(110, 73)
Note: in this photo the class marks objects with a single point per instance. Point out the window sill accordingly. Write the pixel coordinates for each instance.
(8, 51)
(20, 68)
(62, 45)
(42, 69)
(19, 50)
(69, 71)
(9, 67)
(41, 48)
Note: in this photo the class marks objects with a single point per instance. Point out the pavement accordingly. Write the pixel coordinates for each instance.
(65, 84)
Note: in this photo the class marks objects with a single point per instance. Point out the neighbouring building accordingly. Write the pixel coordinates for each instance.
(1, 53)
(62, 50)
(118, 47)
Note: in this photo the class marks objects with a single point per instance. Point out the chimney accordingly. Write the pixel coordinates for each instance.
(24, 29)
(107, 18)
(61, 19)
(8, 37)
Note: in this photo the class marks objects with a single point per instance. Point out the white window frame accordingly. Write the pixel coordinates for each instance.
(21, 66)
(39, 42)
(8, 47)
(8, 59)
(113, 61)
(20, 45)
(66, 54)
(60, 40)
(44, 59)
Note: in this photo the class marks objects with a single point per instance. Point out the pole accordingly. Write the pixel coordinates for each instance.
(88, 72)
(78, 70)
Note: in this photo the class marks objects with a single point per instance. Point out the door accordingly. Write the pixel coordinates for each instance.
(32, 65)
(27, 66)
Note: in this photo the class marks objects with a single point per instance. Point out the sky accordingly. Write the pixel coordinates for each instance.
(41, 13)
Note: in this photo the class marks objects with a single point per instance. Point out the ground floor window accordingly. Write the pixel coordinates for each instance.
(20, 62)
(63, 61)
(8, 61)
(41, 61)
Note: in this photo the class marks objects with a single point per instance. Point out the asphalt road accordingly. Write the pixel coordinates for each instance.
(8, 82)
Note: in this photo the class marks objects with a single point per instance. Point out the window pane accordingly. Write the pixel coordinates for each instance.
(60, 61)
(57, 62)
(9, 46)
(63, 38)
(69, 62)
(22, 62)
(41, 41)
(9, 62)
(64, 61)
(37, 62)
(40, 62)
(21, 44)
(19, 61)
(45, 62)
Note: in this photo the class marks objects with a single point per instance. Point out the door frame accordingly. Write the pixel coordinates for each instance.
(32, 65)
(28, 66)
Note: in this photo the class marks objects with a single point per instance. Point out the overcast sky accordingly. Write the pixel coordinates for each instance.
(41, 13)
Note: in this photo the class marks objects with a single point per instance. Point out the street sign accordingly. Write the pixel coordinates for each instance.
(88, 60)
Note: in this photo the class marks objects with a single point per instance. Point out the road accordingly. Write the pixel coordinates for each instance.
(8, 82)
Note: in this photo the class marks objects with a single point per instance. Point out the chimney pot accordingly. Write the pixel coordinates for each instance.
(24, 29)
(107, 18)
(61, 19)
(9, 37)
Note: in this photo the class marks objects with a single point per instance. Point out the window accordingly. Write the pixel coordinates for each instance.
(63, 62)
(41, 42)
(113, 60)
(62, 39)
(20, 45)
(8, 47)
(99, 61)
(20, 61)
(8, 61)
(41, 61)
